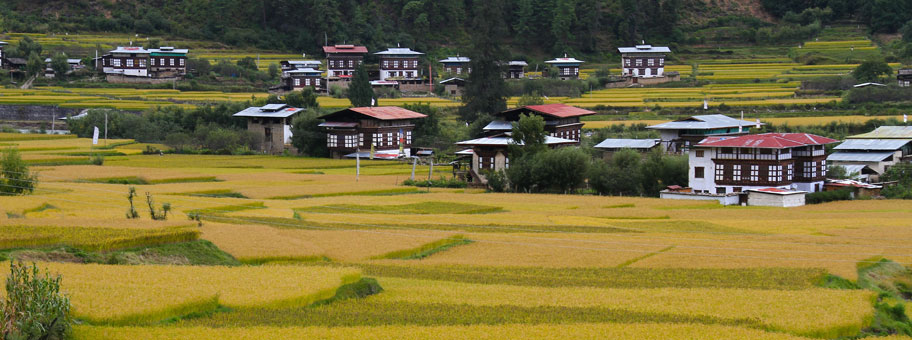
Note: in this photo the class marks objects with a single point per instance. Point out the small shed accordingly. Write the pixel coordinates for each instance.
(453, 86)
(904, 77)
(273, 123)
(859, 189)
(775, 197)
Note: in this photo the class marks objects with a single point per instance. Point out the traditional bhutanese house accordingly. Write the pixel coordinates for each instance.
(75, 64)
(273, 123)
(15, 64)
(491, 152)
(291, 65)
(791, 161)
(643, 61)
(904, 77)
(300, 78)
(453, 86)
(562, 121)
(456, 65)
(775, 197)
(567, 68)
(342, 60)
(126, 61)
(379, 132)
(611, 145)
(167, 62)
(871, 154)
(399, 64)
(679, 135)
(516, 69)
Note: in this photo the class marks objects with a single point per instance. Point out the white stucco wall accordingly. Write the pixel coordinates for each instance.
(775, 200)
(708, 181)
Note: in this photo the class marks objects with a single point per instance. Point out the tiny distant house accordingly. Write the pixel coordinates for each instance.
(291, 65)
(273, 123)
(516, 69)
(456, 65)
(643, 61)
(567, 68)
(612, 145)
(491, 153)
(2, 55)
(342, 60)
(678, 136)
(303, 78)
(453, 86)
(370, 132)
(167, 62)
(775, 197)
(789, 161)
(561, 121)
(871, 154)
(399, 64)
(904, 77)
(126, 61)
(75, 64)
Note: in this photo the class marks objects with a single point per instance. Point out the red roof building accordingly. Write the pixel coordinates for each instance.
(342, 60)
(383, 132)
(561, 121)
(789, 161)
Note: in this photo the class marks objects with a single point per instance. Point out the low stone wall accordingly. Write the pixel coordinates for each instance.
(34, 112)
(722, 199)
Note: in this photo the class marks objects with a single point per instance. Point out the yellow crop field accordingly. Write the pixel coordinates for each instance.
(620, 331)
(791, 121)
(147, 294)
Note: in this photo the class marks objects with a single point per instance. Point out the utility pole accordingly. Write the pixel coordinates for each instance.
(106, 129)
(53, 123)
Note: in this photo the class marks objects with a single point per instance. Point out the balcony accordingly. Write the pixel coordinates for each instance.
(753, 157)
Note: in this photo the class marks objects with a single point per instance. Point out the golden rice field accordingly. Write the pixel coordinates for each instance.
(791, 121)
(533, 266)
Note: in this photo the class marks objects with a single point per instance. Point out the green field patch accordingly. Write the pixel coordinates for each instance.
(426, 249)
(93, 153)
(46, 148)
(422, 208)
(227, 208)
(616, 206)
(91, 239)
(315, 259)
(59, 161)
(662, 217)
(749, 278)
(40, 208)
(218, 193)
(368, 312)
(679, 226)
(6, 136)
(135, 180)
(308, 172)
(382, 192)
(115, 145)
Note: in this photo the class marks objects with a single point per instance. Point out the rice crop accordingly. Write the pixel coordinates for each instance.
(88, 238)
(634, 331)
(426, 250)
(422, 208)
(796, 312)
(151, 293)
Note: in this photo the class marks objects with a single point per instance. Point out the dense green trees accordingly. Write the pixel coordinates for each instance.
(882, 16)
(870, 71)
(34, 307)
(360, 92)
(630, 173)
(485, 91)
(307, 136)
(15, 177)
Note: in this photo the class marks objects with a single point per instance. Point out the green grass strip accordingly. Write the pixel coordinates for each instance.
(638, 258)
(426, 249)
(315, 259)
(219, 193)
(228, 208)
(384, 192)
(421, 208)
(40, 208)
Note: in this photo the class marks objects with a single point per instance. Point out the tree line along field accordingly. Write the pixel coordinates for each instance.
(301, 247)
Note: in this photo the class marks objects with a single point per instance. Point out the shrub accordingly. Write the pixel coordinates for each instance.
(441, 182)
(34, 307)
(829, 196)
(97, 159)
(15, 177)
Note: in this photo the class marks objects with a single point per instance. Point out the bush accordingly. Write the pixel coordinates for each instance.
(97, 159)
(34, 307)
(828, 196)
(441, 182)
(15, 177)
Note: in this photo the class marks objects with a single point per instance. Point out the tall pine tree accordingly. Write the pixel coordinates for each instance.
(360, 92)
(486, 91)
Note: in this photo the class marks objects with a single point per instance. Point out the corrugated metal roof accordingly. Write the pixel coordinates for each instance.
(851, 183)
(465, 152)
(887, 132)
(338, 124)
(399, 51)
(767, 141)
(556, 110)
(344, 49)
(564, 60)
(269, 111)
(868, 84)
(455, 80)
(854, 168)
(3, 43)
(704, 122)
(503, 140)
(455, 60)
(776, 191)
(167, 49)
(304, 71)
(379, 112)
(873, 144)
(859, 156)
(616, 143)
(518, 63)
(644, 49)
(130, 49)
(498, 125)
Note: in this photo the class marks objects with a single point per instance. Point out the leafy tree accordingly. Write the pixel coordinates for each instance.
(562, 24)
(528, 135)
(27, 46)
(840, 172)
(360, 92)
(427, 130)
(248, 63)
(34, 307)
(34, 65)
(870, 71)
(902, 174)
(273, 71)
(485, 91)
(530, 99)
(60, 65)
(15, 177)
(307, 136)
(906, 32)
(659, 171)
(619, 176)
(306, 98)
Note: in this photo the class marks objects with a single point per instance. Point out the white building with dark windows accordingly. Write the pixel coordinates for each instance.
(678, 136)
(567, 67)
(399, 63)
(643, 61)
(871, 154)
